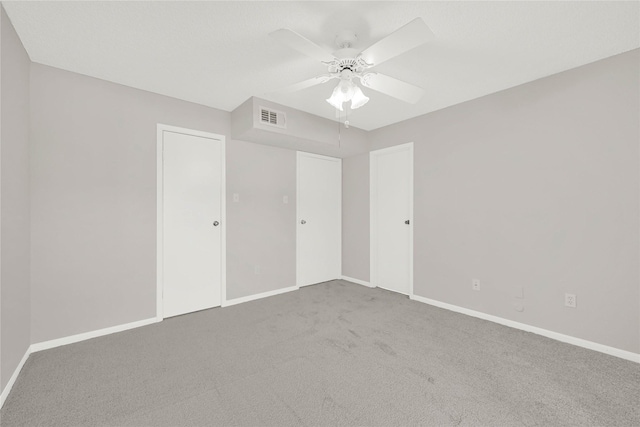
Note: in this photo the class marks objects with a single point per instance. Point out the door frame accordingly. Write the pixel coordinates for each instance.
(298, 219)
(161, 128)
(373, 216)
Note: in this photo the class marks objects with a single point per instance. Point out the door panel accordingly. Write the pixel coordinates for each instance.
(192, 252)
(319, 248)
(392, 188)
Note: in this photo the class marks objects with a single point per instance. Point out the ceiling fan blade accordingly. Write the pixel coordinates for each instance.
(302, 44)
(307, 83)
(393, 87)
(400, 41)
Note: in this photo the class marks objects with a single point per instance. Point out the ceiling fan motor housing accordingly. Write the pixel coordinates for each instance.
(353, 63)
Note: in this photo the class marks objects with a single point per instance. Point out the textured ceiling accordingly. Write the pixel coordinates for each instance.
(219, 53)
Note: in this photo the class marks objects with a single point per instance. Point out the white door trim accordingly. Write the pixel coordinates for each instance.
(318, 156)
(159, 218)
(373, 199)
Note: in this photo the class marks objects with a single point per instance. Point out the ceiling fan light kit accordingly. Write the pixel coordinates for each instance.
(348, 64)
(346, 91)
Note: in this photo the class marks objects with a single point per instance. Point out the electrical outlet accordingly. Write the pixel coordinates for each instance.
(475, 284)
(256, 269)
(285, 199)
(236, 197)
(570, 300)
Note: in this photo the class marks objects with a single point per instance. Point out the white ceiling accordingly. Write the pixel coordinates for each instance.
(219, 53)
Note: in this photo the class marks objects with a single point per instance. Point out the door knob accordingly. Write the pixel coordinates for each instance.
(303, 222)
(215, 223)
(406, 222)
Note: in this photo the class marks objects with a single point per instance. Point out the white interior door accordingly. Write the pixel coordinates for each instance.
(392, 218)
(319, 227)
(192, 227)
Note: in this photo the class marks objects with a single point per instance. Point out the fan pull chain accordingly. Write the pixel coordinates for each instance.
(346, 118)
(339, 130)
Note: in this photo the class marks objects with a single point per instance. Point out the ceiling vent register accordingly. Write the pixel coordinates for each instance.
(273, 118)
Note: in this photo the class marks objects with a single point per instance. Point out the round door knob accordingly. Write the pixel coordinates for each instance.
(215, 223)
(303, 222)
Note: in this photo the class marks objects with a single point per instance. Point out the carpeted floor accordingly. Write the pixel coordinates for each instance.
(330, 354)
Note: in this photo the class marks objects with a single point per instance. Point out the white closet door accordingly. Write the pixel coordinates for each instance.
(392, 218)
(319, 228)
(191, 222)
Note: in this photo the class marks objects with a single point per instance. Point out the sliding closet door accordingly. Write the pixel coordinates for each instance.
(192, 229)
(319, 228)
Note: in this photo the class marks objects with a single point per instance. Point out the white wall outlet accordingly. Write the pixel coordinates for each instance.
(475, 284)
(236, 197)
(256, 269)
(285, 199)
(570, 300)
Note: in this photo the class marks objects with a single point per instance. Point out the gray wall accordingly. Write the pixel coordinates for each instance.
(261, 229)
(93, 200)
(355, 217)
(534, 187)
(303, 132)
(14, 191)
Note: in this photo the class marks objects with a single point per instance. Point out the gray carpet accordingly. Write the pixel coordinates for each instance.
(330, 354)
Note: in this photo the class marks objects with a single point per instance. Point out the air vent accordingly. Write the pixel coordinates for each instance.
(269, 117)
(273, 118)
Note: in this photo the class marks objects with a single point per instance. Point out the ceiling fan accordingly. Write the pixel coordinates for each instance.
(348, 63)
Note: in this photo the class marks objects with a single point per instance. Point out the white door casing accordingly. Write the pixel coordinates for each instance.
(191, 222)
(319, 219)
(391, 186)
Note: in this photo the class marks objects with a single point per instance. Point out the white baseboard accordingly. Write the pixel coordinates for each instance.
(259, 296)
(358, 281)
(45, 345)
(13, 378)
(623, 354)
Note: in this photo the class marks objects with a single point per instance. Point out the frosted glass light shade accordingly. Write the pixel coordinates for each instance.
(336, 98)
(345, 91)
(358, 99)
